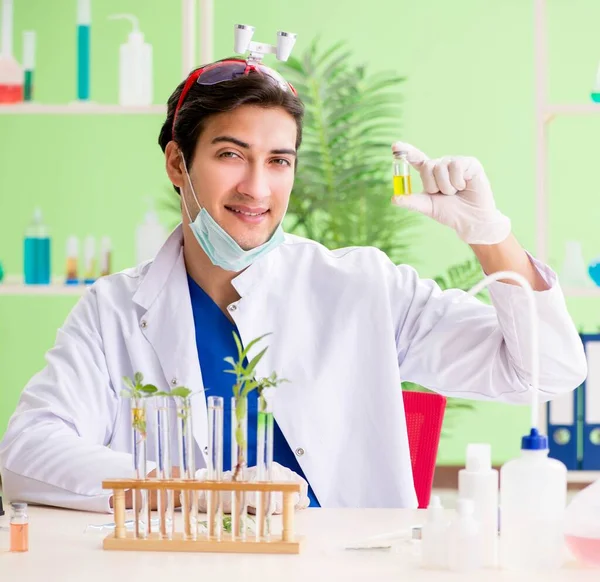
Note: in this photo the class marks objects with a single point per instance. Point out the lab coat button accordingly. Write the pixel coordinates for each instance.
(174, 381)
(206, 450)
(232, 307)
(144, 324)
(299, 451)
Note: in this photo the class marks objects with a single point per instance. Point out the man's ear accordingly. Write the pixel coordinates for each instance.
(174, 164)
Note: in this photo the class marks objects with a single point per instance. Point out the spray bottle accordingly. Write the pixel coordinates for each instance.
(11, 73)
(135, 67)
(533, 487)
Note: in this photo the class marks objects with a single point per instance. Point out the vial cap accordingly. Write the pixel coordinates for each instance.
(479, 457)
(435, 502)
(534, 441)
(18, 505)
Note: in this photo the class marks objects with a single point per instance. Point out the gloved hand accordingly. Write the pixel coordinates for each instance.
(457, 194)
(280, 473)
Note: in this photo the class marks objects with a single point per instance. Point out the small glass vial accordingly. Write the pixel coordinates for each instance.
(19, 528)
(401, 173)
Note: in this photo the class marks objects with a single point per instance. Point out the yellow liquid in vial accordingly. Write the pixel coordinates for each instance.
(402, 185)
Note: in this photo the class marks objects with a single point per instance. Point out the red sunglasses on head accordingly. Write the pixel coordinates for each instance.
(227, 70)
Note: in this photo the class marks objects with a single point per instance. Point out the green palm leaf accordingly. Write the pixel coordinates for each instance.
(342, 191)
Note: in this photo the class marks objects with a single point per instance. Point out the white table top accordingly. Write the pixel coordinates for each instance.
(60, 551)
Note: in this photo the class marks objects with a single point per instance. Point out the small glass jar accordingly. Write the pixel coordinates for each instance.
(19, 528)
(401, 174)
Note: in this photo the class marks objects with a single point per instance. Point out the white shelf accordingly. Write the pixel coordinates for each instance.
(13, 286)
(581, 291)
(19, 289)
(582, 476)
(80, 109)
(572, 110)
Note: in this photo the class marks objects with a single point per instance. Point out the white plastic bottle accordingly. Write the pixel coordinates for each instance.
(135, 67)
(479, 483)
(434, 537)
(464, 541)
(533, 497)
(149, 237)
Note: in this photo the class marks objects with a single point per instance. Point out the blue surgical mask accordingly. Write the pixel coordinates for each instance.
(219, 246)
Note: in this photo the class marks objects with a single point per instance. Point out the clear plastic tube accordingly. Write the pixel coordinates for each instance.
(264, 464)
(239, 461)
(533, 325)
(189, 499)
(166, 501)
(215, 466)
(140, 497)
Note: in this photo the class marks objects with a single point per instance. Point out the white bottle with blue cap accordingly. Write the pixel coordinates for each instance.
(533, 498)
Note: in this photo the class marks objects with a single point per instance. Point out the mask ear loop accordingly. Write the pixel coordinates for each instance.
(191, 188)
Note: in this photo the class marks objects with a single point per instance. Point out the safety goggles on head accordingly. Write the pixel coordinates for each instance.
(228, 70)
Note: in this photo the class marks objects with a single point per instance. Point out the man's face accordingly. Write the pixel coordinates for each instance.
(243, 171)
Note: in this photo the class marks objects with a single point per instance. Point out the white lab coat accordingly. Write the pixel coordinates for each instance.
(347, 326)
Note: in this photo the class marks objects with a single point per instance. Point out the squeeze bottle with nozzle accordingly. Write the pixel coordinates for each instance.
(533, 497)
(135, 67)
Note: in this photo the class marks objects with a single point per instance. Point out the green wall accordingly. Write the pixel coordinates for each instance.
(470, 91)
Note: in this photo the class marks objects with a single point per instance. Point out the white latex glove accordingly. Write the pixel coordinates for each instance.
(280, 473)
(457, 194)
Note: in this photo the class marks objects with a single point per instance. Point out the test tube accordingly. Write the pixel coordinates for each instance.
(28, 63)
(89, 258)
(215, 466)
(84, 22)
(72, 268)
(166, 502)
(401, 173)
(189, 499)
(105, 256)
(239, 460)
(264, 463)
(140, 497)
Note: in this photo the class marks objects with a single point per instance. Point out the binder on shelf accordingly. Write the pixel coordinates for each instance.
(562, 413)
(591, 404)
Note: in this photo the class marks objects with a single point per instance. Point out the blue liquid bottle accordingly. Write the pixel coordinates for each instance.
(36, 264)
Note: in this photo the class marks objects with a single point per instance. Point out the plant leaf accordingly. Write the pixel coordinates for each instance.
(254, 362)
(128, 382)
(181, 392)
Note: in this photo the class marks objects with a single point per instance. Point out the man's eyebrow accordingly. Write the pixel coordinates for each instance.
(285, 151)
(231, 139)
(246, 146)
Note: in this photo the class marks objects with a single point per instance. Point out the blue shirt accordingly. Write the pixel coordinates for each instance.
(214, 341)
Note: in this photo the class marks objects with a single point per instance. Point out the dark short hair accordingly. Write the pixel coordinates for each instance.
(204, 101)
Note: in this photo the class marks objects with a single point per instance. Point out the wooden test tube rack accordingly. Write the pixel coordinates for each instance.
(121, 539)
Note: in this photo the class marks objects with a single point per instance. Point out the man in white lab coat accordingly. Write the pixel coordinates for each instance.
(346, 326)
